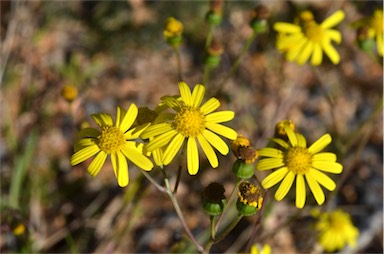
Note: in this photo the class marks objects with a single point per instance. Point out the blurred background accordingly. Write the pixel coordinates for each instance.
(64, 60)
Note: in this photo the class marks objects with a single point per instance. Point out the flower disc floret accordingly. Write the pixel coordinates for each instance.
(111, 139)
(298, 160)
(190, 121)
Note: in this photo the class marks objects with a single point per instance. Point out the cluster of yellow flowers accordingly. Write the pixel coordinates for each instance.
(191, 122)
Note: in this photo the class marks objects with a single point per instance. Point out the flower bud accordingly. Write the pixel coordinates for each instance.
(259, 19)
(250, 199)
(69, 92)
(215, 14)
(242, 169)
(213, 198)
(173, 31)
(280, 129)
(213, 54)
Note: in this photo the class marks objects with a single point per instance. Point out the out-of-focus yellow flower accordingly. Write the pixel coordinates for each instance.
(173, 31)
(295, 161)
(370, 29)
(308, 38)
(191, 123)
(336, 230)
(257, 249)
(114, 139)
(69, 92)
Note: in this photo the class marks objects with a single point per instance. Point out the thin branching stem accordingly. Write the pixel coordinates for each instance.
(179, 212)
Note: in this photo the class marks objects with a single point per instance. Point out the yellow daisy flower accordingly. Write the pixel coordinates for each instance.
(296, 161)
(300, 41)
(116, 140)
(336, 230)
(258, 249)
(193, 123)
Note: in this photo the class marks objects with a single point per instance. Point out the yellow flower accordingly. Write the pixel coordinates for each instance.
(371, 28)
(300, 41)
(116, 140)
(173, 28)
(257, 249)
(191, 122)
(69, 92)
(336, 230)
(296, 161)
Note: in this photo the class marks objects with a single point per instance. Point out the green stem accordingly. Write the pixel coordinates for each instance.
(179, 212)
(237, 61)
(178, 60)
(179, 169)
(207, 71)
(213, 223)
(208, 40)
(153, 181)
(223, 234)
(230, 199)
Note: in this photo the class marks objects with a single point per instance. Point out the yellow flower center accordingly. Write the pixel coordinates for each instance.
(190, 122)
(298, 160)
(313, 31)
(250, 195)
(111, 139)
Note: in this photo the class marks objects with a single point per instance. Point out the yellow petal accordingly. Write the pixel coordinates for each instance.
(281, 142)
(331, 52)
(97, 163)
(271, 152)
(315, 189)
(286, 27)
(220, 117)
(210, 106)
(84, 154)
(320, 144)
(138, 158)
(83, 143)
(300, 191)
(275, 177)
(333, 35)
(222, 130)
(155, 130)
(185, 93)
(291, 136)
(285, 186)
(269, 163)
(129, 118)
(331, 167)
(172, 149)
(198, 95)
(333, 20)
(317, 56)
(323, 179)
(301, 141)
(208, 151)
(192, 156)
(330, 157)
(216, 142)
(103, 119)
(161, 140)
(120, 167)
(305, 53)
(294, 51)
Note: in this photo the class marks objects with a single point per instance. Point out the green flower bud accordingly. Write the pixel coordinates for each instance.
(213, 18)
(244, 209)
(213, 199)
(212, 61)
(242, 169)
(250, 199)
